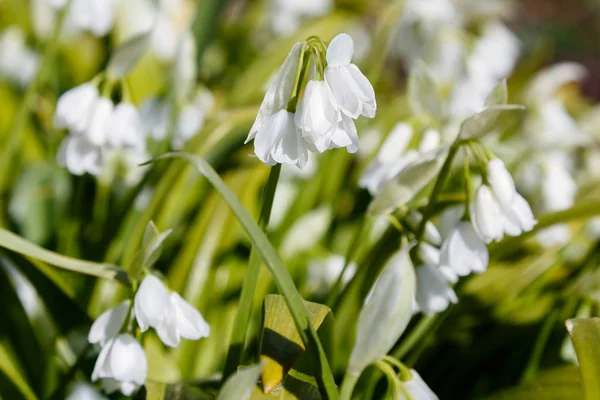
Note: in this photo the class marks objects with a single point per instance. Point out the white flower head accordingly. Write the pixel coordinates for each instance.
(109, 323)
(417, 389)
(124, 128)
(351, 89)
(74, 107)
(278, 141)
(317, 116)
(434, 294)
(168, 313)
(123, 362)
(84, 391)
(463, 252)
(80, 156)
(97, 16)
(18, 63)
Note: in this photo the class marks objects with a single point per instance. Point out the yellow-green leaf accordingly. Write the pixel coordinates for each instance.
(585, 334)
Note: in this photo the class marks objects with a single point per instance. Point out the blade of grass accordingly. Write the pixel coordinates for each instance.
(275, 265)
(19, 245)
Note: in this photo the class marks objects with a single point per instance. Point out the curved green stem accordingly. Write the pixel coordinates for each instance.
(348, 385)
(244, 312)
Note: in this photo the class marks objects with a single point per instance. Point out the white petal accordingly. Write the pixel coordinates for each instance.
(280, 90)
(317, 116)
(364, 90)
(523, 213)
(125, 128)
(396, 143)
(102, 367)
(127, 360)
(429, 254)
(464, 252)
(433, 292)
(418, 389)
(98, 122)
(168, 331)
(486, 215)
(74, 107)
(190, 323)
(109, 323)
(339, 79)
(152, 303)
(501, 182)
(340, 50)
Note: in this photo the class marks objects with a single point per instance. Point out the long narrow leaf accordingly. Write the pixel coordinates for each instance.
(273, 262)
(19, 245)
(585, 334)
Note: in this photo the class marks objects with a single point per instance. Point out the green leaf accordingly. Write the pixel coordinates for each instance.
(151, 248)
(585, 334)
(10, 369)
(275, 265)
(485, 121)
(127, 55)
(295, 386)
(281, 344)
(423, 94)
(558, 384)
(241, 385)
(174, 391)
(19, 245)
(408, 183)
(498, 96)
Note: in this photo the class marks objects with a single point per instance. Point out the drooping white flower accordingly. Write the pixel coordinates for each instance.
(499, 209)
(429, 254)
(168, 313)
(124, 128)
(18, 63)
(84, 391)
(417, 389)
(56, 4)
(97, 16)
(123, 363)
(351, 89)
(463, 252)
(279, 141)
(317, 116)
(154, 113)
(75, 106)
(109, 323)
(385, 313)
(433, 294)
(100, 117)
(80, 156)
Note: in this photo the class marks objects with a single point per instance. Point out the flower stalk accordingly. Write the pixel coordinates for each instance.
(244, 312)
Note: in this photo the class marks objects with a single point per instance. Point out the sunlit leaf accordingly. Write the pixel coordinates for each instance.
(127, 55)
(486, 121)
(585, 333)
(241, 385)
(498, 96)
(423, 94)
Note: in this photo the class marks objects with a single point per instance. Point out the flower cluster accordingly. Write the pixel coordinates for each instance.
(336, 92)
(122, 363)
(100, 133)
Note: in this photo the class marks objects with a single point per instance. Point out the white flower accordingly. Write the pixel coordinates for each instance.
(123, 360)
(433, 291)
(56, 4)
(96, 16)
(385, 313)
(463, 252)
(279, 91)
(499, 209)
(84, 391)
(351, 89)
(278, 141)
(432, 235)
(80, 156)
(109, 323)
(323, 273)
(417, 389)
(18, 63)
(154, 113)
(124, 128)
(74, 107)
(558, 186)
(171, 316)
(100, 117)
(317, 116)
(429, 254)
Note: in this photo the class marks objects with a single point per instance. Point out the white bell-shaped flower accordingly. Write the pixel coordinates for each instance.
(486, 215)
(463, 252)
(168, 313)
(100, 117)
(278, 141)
(74, 107)
(279, 91)
(154, 113)
(97, 16)
(124, 128)
(417, 389)
(501, 182)
(317, 116)
(434, 294)
(122, 360)
(80, 156)
(431, 234)
(18, 63)
(109, 323)
(84, 391)
(429, 254)
(352, 90)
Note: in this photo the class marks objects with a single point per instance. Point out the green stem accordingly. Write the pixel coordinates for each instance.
(538, 348)
(17, 132)
(244, 312)
(437, 189)
(348, 385)
(415, 336)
